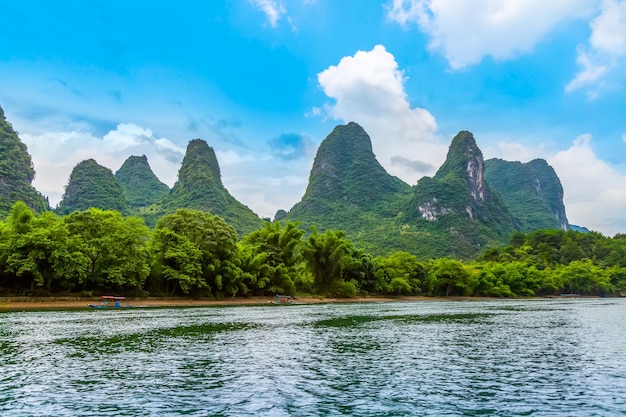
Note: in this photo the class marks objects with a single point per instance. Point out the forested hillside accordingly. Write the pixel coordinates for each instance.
(200, 187)
(16, 172)
(531, 191)
(92, 185)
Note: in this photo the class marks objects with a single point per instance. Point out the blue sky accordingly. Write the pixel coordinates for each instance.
(264, 81)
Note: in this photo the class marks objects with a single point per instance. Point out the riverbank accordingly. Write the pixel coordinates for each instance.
(59, 303)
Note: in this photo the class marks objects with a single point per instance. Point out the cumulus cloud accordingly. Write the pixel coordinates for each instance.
(55, 154)
(465, 31)
(605, 49)
(292, 146)
(594, 191)
(273, 9)
(368, 88)
(595, 196)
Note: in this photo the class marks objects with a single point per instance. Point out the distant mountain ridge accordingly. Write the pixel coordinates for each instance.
(457, 212)
(470, 204)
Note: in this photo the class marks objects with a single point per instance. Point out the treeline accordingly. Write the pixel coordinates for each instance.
(198, 254)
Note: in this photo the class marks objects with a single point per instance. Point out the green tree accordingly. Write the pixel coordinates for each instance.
(216, 243)
(404, 266)
(330, 257)
(39, 252)
(270, 257)
(117, 248)
(449, 277)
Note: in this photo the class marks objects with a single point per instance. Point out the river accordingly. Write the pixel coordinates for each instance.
(442, 358)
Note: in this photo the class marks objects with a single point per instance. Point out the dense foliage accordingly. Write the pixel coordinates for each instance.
(141, 187)
(196, 253)
(532, 192)
(16, 172)
(92, 185)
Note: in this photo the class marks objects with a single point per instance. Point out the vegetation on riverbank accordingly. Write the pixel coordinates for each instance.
(195, 253)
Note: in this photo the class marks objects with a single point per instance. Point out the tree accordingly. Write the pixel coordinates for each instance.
(216, 245)
(330, 256)
(270, 257)
(39, 252)
(404, 266)
(449, 277)
(117, 248)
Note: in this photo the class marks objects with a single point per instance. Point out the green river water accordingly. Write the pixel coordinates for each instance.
(441, 358)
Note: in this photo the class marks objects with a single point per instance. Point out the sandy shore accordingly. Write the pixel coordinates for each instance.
(26, 303)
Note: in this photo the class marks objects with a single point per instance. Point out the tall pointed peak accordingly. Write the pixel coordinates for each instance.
(345, 168)
(200, 187)
(465, 161)
(141, 187)
(199, 158)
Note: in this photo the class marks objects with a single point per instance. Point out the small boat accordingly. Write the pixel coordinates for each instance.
(283, 299)
(110, 301)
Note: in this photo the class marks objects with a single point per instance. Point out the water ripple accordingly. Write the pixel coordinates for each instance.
(514, 358)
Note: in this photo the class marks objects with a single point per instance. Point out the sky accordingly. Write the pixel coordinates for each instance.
(265, 81)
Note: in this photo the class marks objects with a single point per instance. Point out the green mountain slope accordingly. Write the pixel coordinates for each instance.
(16, 172)
(347, 185)
(455, 213)
(458, 208)
(200, 187)
(139, 184)
(92, 185)
(532, 192)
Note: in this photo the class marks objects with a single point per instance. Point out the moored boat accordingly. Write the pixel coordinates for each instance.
(110, 301)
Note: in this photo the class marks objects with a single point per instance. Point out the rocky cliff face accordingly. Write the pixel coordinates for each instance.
(16, 172)
(459, 187)
(458, 204)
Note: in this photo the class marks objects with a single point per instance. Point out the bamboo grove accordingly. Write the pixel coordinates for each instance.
(195, 253)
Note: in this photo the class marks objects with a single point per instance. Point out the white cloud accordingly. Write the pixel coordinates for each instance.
(55, 154)
(603, 52)
(273, 10)
(594, 191)
(465, 31)
(368, 88)
(624, 137)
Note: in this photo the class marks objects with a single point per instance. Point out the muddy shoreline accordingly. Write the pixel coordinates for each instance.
(60, 303)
